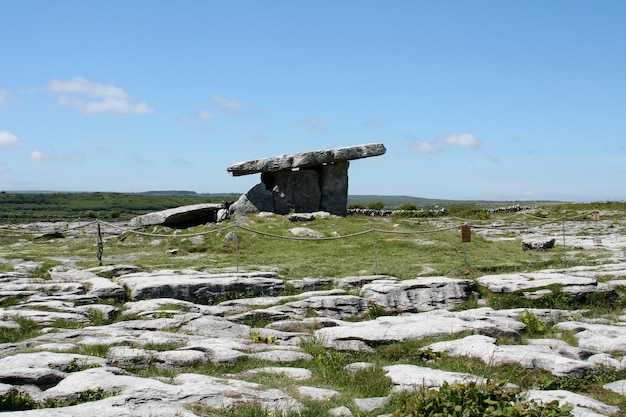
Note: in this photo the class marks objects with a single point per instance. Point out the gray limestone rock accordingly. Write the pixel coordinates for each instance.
(180, 217)
(505, 283)
(538, 243)
(201, 288)
(421, 294)
(583, 406)
(363, 336)
(536, 356)
(599, 337)
(306, 159)
(306, 232)
(412, 377)
(318, 394)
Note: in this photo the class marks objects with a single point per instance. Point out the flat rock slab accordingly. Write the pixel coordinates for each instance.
(305, 159)
(506, 283)
(413, 377)
(364, 336)
(421, 294)
(601, 337)
(583, 406)
(200, 288)
(537, 356)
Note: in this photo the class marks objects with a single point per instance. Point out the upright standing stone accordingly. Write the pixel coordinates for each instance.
(334, 188)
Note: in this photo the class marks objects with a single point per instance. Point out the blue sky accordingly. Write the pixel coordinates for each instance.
(473, 99)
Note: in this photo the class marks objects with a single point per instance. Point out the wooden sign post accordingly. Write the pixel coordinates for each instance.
(466, 236)
(596, 218)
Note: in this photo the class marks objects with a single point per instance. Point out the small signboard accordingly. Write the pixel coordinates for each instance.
(466, 234)
(596, 215)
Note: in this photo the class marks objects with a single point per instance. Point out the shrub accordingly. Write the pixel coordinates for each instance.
(474, 400)
(534, 325)
(408, 206)
(376, 205)
(467, 211)
(15, 400)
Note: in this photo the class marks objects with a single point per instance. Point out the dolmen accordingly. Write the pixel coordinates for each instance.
(304, 182)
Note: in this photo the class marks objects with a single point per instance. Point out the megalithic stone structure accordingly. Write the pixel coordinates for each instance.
(302, 182)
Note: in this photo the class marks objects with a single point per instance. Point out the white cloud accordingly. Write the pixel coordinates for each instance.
(460, 140)
(205, 115)
(9, 140)
(139, 159)
(226, 103)
(316, 125)
(258, 137)
(4, 96)
(3, 168)
(181, 161)
(37, 155)
(375, 123)
(82, 86)
(108, 97)
(422, 146)
(493, 159)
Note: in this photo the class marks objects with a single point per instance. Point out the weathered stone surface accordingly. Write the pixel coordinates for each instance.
(334, 188)
(600, 337)
(504, 283)
(412, 377)
(145, 396)
(528, 356)
(538, 243)
(363, 336)
(370, 404)
(319, 394)
(583, 406)
(306, 232)
(300, 189)
(180, 217)
(330, 306)
(297, 374)
(198, 287)
(306, 159)
(421, 294)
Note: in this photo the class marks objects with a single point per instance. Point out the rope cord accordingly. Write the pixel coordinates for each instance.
(441, 229)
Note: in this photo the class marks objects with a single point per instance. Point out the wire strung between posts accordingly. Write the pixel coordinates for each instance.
(100, 243)
(127, 230)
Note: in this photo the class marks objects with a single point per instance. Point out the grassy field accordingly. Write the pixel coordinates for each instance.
(24, 206)
(402, 246)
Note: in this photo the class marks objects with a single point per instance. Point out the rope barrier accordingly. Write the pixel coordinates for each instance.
(455, 224)
(442, 229)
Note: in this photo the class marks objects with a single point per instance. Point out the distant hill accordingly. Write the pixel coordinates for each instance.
(392, 201)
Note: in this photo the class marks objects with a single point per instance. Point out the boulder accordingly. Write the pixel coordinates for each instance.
(200, 288)
(538, 243)
(536, 356)
(412, 377)
(421, 294)
(180, 217)
(583, 406)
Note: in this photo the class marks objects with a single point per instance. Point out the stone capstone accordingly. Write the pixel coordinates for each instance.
(306, 159)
